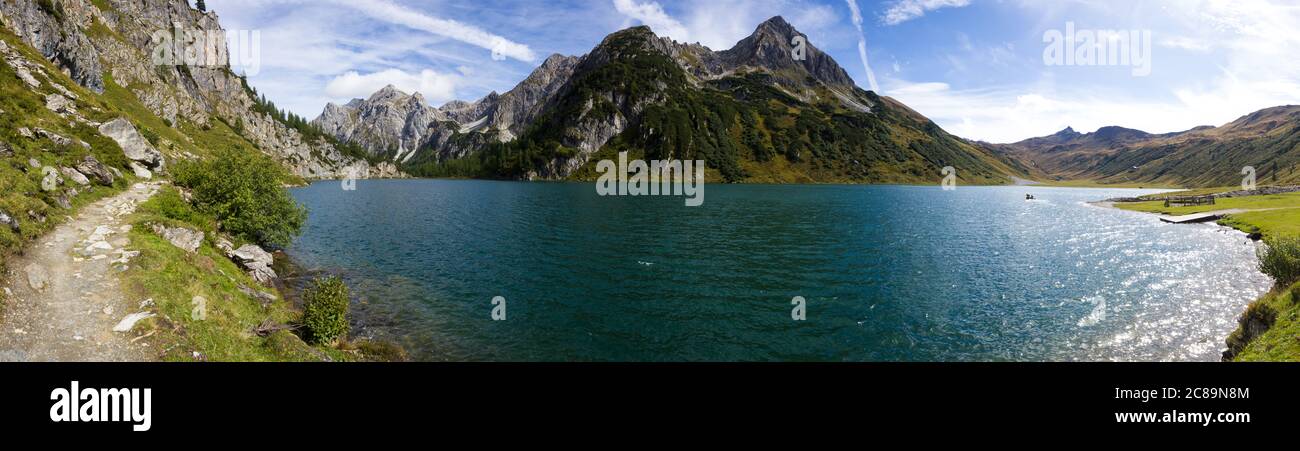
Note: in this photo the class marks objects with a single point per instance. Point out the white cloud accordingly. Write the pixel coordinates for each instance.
(435, 87)
(1246, 63)
(469, 34)
(719, 24)
(653, 15)
(904, 10)
(1186, 43)
(856, 16)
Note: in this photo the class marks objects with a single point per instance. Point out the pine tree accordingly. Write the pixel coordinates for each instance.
(201, 6)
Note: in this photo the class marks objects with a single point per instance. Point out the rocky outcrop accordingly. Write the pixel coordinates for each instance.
(92, 168)
(516, 109)
(134, 145)
(58, 34)
(256, 261)
(186, 239)
(198, 93)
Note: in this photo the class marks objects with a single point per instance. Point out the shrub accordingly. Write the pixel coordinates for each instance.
(325, 310)
(169, 204)
(1280, 259)
(244, 191)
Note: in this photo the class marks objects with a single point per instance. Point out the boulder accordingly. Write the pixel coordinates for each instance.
(60, 104)
(34, 163)
(51, 181)
(262, 274)
(186, 239)
(26, 132)
(257, 261)
(251, 253)
(75, 176)
(91, 167)
(9, 221)
(135, 146)
(225, 246)
(5, 150)
(64, 201)
(37, 277)
(140, 171)
(57, 138)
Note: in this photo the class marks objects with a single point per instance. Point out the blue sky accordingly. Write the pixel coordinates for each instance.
(977, 67)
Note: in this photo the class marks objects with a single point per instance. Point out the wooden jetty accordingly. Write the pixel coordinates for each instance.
(1192, 218)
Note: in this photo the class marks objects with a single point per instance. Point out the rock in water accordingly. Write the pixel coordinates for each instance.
(37, 277)
(186, 239)
(133, 144)
(91, 167)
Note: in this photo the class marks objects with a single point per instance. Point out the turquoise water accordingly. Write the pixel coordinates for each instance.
(888, 272)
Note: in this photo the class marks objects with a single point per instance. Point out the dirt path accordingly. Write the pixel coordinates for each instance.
(63, 297)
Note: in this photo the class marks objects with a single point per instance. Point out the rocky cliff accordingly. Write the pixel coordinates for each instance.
(106, 43)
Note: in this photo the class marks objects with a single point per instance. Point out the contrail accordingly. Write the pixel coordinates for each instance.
(862, 45)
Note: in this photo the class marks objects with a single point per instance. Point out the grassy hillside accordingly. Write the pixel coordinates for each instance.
(1267, 140)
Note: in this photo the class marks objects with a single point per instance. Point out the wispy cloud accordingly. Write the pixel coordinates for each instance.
(856, 16)
(469, 34)
(904, 10)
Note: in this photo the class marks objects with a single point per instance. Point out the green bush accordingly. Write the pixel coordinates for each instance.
(244, 191)
(169, 204)
(1280, 259)
(325, 310)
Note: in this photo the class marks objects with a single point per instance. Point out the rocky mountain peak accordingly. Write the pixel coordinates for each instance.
(772, 47)
(776, 27)
(388, 94)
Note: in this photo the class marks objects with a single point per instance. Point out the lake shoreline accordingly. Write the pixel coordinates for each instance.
(1245, 333)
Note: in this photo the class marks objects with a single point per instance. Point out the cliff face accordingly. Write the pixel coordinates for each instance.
(115, 44)
(404, 128)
